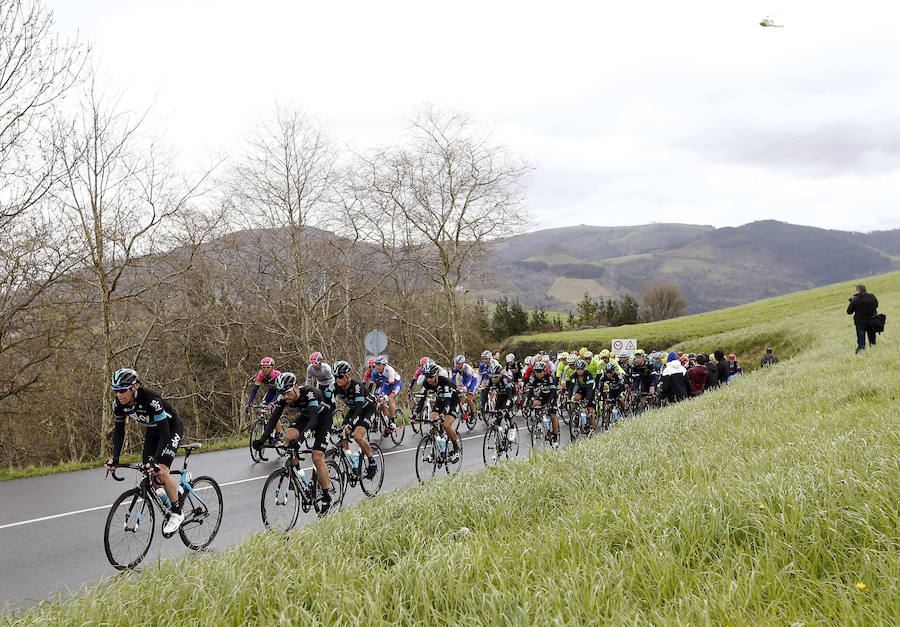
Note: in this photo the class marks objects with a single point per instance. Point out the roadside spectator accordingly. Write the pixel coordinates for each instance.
(724, 370)
(712, 379)
(734, 366)
(768, 359)
(864, 307)
(697, 375)
(673, 384)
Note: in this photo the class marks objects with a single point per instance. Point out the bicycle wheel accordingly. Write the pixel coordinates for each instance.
(370, 487)
(280, 501)
(540, 437)
(511, 447)
(256, 432)
(453, 467)
(491, 446)
(129, 529)
(398, 434)
(202, 509)
(426, 458)
(336, 455)
(376, 430)
(565, 412)
(471, 420)
(335, 489)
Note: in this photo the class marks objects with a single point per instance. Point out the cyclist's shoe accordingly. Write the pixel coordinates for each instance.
(453, 456)
(278, 439)
(372, 469)
(394, 427)
(326, 504)
(427, 458)
(173, 523)
(554, 440)
(257, 444)
(511, 434)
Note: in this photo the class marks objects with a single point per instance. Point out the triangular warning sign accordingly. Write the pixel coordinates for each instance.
(630, 345)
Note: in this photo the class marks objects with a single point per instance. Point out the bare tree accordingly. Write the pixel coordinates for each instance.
(444, 197)
(662, 301)
(284, 188)
(122, 204)
(37, 69)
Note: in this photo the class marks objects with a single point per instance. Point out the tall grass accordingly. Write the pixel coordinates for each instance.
(771, 501)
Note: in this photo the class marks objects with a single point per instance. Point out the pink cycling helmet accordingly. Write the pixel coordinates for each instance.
(315, 357)
(266, 361)
(371, 361)
(423, 361)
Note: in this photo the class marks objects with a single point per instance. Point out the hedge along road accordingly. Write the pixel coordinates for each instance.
(51, 527)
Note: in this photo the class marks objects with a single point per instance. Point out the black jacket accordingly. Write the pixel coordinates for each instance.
(863, 307)
(724, 370)
(712, 376)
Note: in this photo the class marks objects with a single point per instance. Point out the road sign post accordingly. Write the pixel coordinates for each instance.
(375, 341)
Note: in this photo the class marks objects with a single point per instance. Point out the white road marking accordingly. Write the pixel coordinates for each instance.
(222, 485)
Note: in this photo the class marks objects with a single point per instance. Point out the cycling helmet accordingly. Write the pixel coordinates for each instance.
(486, 355)
(266, 361)
(588, 356)
(315, 358)
(639, 351)
(381, 359)
(540, 367)
(582, 350)
(459, 359)
(611, 367)
(495, 370)
(285, 381)
(604, 353)
(528, 360)
(571, 359)
(510, 357)
(430, 369)
(371, 361)
(580, 365)
(340, 369)
(124, 379)
(562, 355)
(424, 361)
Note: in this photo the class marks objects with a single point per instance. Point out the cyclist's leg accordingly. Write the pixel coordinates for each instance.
(359, 435)
(321, 428)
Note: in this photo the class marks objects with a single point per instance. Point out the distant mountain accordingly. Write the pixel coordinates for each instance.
(714, 268)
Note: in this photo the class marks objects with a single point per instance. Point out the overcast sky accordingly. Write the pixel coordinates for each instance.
(630, 112)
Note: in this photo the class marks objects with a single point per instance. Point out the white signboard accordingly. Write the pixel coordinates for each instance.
(624, 347)
(376, 341)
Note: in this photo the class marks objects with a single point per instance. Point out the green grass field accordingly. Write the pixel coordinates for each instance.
(775, 500)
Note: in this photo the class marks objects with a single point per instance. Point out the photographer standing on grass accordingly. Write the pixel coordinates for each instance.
(864, 307)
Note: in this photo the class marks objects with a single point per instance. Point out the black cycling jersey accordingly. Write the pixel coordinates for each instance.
(515, 370)
(583, 384)
(446, 397)
(506, 392)
(543, 389)
(164, 427)
(360, 403)
(308, 403)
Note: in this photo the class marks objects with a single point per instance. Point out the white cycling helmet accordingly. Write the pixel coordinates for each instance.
(486, 354)
(510, 357)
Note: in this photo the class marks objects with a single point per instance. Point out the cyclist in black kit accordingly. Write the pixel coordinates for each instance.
(313, 413)
(360, 405)
(446, 403)
(164, 432)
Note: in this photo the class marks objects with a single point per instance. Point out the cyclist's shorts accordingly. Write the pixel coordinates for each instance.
(319, 425)
(471, 385)
(641, 385)
(363, 420)
(387, 388)
(167, 455)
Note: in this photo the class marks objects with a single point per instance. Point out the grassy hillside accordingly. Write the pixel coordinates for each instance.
(771, 501)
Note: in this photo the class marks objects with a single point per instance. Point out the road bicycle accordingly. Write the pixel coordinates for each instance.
(131, 522)
(435, 451)
(288, 491)
(353, 464)
(257, 427)
(500, 441)
(466, 416)
(580, 423)
(542, 429)
(381, 423)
